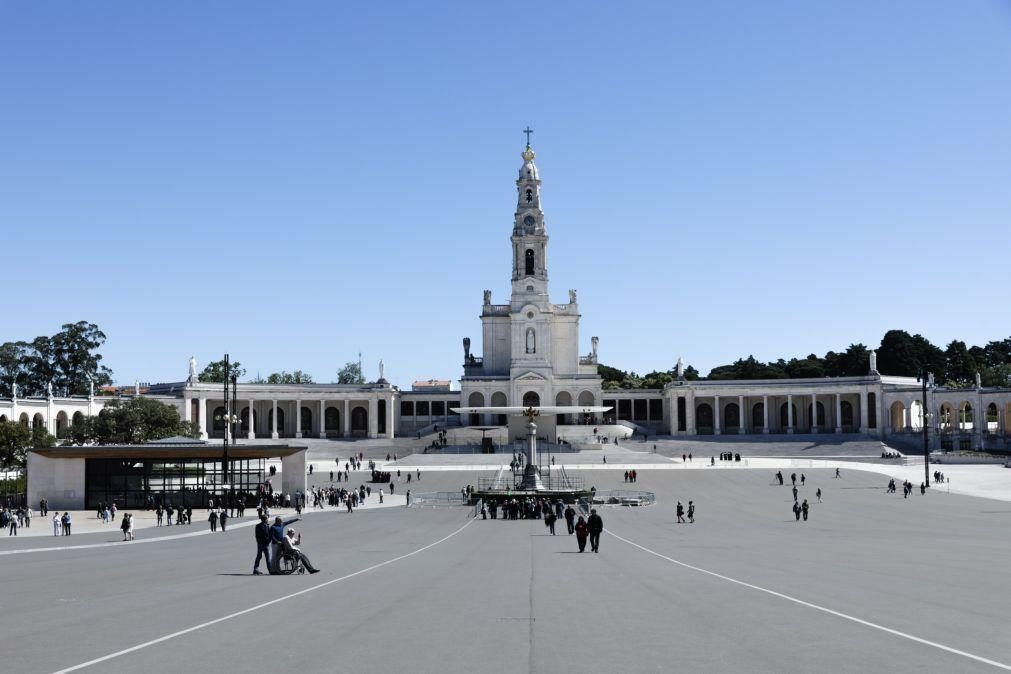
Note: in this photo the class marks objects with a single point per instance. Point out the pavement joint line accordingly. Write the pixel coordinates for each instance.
(236, 614)
(838, 614)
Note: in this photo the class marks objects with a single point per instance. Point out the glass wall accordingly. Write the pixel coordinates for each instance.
(130, 482)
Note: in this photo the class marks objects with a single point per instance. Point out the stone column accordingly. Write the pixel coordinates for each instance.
(347, 418)
(765, 415)
(716, 415)
(273, 421)
(203, 418)
(864, 427)
(251, 434)
(789, 413)
(742, 427)
(322, 418)
(690, 414)
(390, 432)
(814, 412)
(838, 413)
(298, 418)
(373, 420)
(293, 477)
(187, 409)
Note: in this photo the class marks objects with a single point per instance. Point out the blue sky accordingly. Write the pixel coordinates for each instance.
(295, 182)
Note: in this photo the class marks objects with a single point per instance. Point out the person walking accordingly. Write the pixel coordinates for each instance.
(837, 473)
(796, 510)
(581, 532)
(818, 494)
(595, 525)
(802, 479)
(262, 534)
(57, 525)
(222, 519)
(680, 510)
(549, 521)
(570, 517)
(65, 521)
(213, 519)
(126, 525)
(804, 508)
(159, 514)
(691, 512)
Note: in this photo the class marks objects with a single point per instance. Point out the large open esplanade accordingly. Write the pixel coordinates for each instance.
(532, 355)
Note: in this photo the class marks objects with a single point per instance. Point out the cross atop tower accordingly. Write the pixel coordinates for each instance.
(528, 131)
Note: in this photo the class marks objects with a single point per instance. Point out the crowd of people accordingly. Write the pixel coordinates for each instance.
(550, 511)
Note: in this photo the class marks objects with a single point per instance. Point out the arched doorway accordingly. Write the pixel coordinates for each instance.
(381, 416)
(897, 414)
(916, 415)
(846, 415)
(23, 419)
(476, 399)
(586, 399)
(704, 418)
(731, 418)
(3, 418)
(531, 399)
(38, 421)
(218, 421)
(498, 399)
(61, 425)
(244, 426)
(564, 399)
(280, 421)
(332, 419)
(966, 417)
(306, 421)
(77, 419)
(360, 421)
(817, 422)
(784, 416)
(946, 418)
(872, 410)
(758, 416)
(992, 419)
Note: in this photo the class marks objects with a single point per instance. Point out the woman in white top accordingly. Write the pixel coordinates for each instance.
(57, 525)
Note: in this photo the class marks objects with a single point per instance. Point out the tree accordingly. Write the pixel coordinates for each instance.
(136, 421)
(296, 377)
(959, 365)
(13, 366)
(853, 362)
(897, 354)
(214, 373)
(15, 438)
(351, 373)
(75, 358)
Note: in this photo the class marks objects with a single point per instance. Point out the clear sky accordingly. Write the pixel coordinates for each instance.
(295, 182)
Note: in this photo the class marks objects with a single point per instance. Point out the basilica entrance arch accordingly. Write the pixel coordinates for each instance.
(332, 420)
(498, 399)
(306, 425)
(359, 422)
(244, 421)
(731, 418)
(61, 425)
(564, 399)
(476, 399)
(704, 419)
(531, 399)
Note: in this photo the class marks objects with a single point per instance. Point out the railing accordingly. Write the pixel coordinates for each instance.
(587, 360)
(551, 479)
(437, 499)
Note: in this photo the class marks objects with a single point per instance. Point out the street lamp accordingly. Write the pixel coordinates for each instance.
(926, 432)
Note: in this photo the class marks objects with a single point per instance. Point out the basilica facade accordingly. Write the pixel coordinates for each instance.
(531, 355)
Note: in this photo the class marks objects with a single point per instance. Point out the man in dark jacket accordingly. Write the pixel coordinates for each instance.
(262, 532)
(570, 518)
(595, 525)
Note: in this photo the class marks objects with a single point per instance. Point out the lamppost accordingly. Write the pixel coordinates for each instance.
(926, 432)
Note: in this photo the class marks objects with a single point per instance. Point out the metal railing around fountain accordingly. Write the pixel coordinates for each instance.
(553, 478)
(437, 499)
(624, 497)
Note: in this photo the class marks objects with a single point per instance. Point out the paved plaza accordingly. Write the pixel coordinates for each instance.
(871, 581)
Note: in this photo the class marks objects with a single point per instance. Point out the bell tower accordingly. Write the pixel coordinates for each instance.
(529, 238)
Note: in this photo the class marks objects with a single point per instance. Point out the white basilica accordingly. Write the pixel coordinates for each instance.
(530, 355)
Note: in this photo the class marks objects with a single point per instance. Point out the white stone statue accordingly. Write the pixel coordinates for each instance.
(979, 381)
(594, 342)
(382, 370)
(136, 387)
(91, 387)
(680, 368)
(572, 297)
(193, 368)
(531, 341)
(487, 297)
(930, 378)
(14, 391)
(49, 389)
(874, 362)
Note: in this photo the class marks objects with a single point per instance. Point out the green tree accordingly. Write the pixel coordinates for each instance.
(811, 367)
(136, 421)
(75, 358)
(13, 367)
(351, 373)
(15, 438)
(853, 362)
(214, 373)
(959, 365)
(296, 377)
(897, 354)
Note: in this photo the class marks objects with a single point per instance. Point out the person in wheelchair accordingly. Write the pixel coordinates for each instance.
(293, 554)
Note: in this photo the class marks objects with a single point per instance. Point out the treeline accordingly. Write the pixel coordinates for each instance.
(69, 360)
(899, 354)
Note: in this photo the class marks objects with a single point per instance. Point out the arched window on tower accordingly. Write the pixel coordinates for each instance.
(529, 257)
(530, 195)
